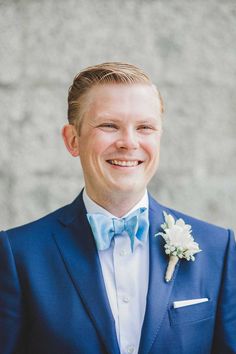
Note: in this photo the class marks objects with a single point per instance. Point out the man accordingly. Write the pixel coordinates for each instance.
(92, 276)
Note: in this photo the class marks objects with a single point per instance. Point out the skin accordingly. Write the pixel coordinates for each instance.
(122, 125)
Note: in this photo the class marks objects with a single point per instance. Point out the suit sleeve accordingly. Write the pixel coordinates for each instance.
(11, 313)
(225, 331)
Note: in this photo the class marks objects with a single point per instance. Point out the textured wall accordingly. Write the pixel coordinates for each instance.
(188, 47)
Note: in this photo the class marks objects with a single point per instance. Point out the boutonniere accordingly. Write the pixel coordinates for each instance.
(179, 244)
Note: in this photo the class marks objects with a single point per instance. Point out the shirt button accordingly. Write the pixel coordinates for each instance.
(125, 299)
(130, 349)
(123, 252)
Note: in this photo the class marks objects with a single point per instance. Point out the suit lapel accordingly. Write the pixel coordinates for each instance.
(158, 291)
(77, 247)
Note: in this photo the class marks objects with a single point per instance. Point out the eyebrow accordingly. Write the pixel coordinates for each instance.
(114, 119)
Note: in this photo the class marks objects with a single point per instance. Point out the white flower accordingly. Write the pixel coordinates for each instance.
(179, 242)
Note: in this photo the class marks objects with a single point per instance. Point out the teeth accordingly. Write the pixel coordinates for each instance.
(124, 163)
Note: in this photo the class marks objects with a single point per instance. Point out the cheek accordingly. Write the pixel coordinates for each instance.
(102, 142)
(95, 145)
(153, 147)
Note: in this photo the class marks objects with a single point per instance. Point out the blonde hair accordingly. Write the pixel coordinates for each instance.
(105, 73)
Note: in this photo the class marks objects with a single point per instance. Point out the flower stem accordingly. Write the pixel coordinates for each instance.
(171, 267)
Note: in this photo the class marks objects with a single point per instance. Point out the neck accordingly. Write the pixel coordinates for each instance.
(117, 204)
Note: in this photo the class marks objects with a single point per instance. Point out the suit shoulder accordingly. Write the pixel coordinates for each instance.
(193, 220)
(38, 226)
(203, 228)
(200, 228)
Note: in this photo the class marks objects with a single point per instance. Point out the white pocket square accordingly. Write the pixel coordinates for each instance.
(183, 303)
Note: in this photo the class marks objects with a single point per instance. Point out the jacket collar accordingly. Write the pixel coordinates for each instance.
(158, 291)
(78, 250)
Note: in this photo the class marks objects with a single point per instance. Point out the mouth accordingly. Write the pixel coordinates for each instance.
(125, 163)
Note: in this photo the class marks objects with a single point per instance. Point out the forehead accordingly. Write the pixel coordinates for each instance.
(138, 99)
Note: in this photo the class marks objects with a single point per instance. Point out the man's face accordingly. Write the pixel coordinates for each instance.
(119, 142)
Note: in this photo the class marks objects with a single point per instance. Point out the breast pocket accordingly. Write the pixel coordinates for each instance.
(191, 313)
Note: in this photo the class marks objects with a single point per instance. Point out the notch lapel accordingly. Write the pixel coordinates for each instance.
(78, 250)
(158, 290)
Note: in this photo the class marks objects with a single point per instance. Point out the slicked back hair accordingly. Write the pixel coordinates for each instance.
(105, 73)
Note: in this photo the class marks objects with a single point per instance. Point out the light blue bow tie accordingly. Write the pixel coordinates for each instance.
(105, 228)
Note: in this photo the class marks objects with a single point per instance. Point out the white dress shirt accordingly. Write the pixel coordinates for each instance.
(126, 280)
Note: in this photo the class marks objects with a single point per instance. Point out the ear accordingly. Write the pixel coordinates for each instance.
(71, 140)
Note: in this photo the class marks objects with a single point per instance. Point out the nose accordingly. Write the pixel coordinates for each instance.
(128, 140)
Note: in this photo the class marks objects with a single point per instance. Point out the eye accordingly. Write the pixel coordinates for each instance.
(146, 128)
(108, 126)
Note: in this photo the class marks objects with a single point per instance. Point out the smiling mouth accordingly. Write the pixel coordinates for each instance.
(123, 163)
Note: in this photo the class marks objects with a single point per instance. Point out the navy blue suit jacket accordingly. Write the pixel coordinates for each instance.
(53, 299)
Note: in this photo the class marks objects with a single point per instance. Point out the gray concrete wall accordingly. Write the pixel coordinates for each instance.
(188, 47)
